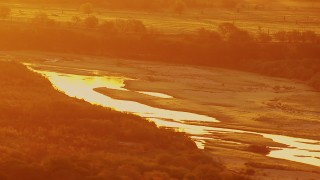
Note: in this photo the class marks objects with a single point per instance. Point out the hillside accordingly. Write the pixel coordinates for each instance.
(47, 135)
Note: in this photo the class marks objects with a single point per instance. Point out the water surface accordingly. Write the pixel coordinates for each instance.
(82, 87)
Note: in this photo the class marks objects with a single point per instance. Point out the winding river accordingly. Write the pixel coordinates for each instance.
(80, 86)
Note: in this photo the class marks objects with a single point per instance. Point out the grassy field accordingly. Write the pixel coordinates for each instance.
(268, 20)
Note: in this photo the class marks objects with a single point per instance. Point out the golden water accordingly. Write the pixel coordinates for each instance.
(82, 87)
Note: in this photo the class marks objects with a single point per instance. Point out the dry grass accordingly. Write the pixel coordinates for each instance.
(271, 20)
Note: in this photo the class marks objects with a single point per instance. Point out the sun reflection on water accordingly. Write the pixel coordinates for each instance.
(155, 94)
(82, 87)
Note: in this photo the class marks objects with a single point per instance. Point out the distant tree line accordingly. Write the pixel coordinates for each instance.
(290, 54)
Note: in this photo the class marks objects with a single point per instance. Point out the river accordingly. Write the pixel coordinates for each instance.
(82, 87)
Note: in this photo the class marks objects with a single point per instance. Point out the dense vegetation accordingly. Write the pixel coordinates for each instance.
(290, 54)
(47, 135)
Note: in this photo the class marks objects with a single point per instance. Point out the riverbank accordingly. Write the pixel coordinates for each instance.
(48, 135)
(240, 99)
(159, 73)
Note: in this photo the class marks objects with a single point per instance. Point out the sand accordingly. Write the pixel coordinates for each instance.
(240, 100)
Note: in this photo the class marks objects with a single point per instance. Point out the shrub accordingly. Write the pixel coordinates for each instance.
(264, 37)
(309, 36)
(264, 150)
(233, 34)
(91, 22)
(42, 19)
(281, 36)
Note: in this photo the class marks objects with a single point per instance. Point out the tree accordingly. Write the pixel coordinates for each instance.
(76, 20)
(136, 26)
(294, 36)
(4, 12)
(232, 33)
(91, 22)
(107, 27)
(264, 37)
(309, 36)
(43, 19)
(281, 36)
(86, 8)
(227, 28)
(206, 35)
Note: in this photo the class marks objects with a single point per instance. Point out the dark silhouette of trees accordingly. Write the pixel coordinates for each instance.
(76, 21)
(206, 35)
(281, 36)
(295, 36)
(86, 8)
(229, 46)
(91, 22)
(232, 33)
(309, 36)
(42, 19)
(264, 37)
(259, 149)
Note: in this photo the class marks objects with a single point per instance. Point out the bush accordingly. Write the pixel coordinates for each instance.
(281, 36)
(205, 35)
(309, 36)
(264, 150)
(233, 34)
(91, 22)
(264, 37)
(42, 19)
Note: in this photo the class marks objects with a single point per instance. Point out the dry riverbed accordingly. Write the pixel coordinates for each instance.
(240, 100)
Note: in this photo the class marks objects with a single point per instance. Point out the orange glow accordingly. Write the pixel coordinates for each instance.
(159, 89)
(82, 87)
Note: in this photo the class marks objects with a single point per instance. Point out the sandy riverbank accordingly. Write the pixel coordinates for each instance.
(239, 100)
